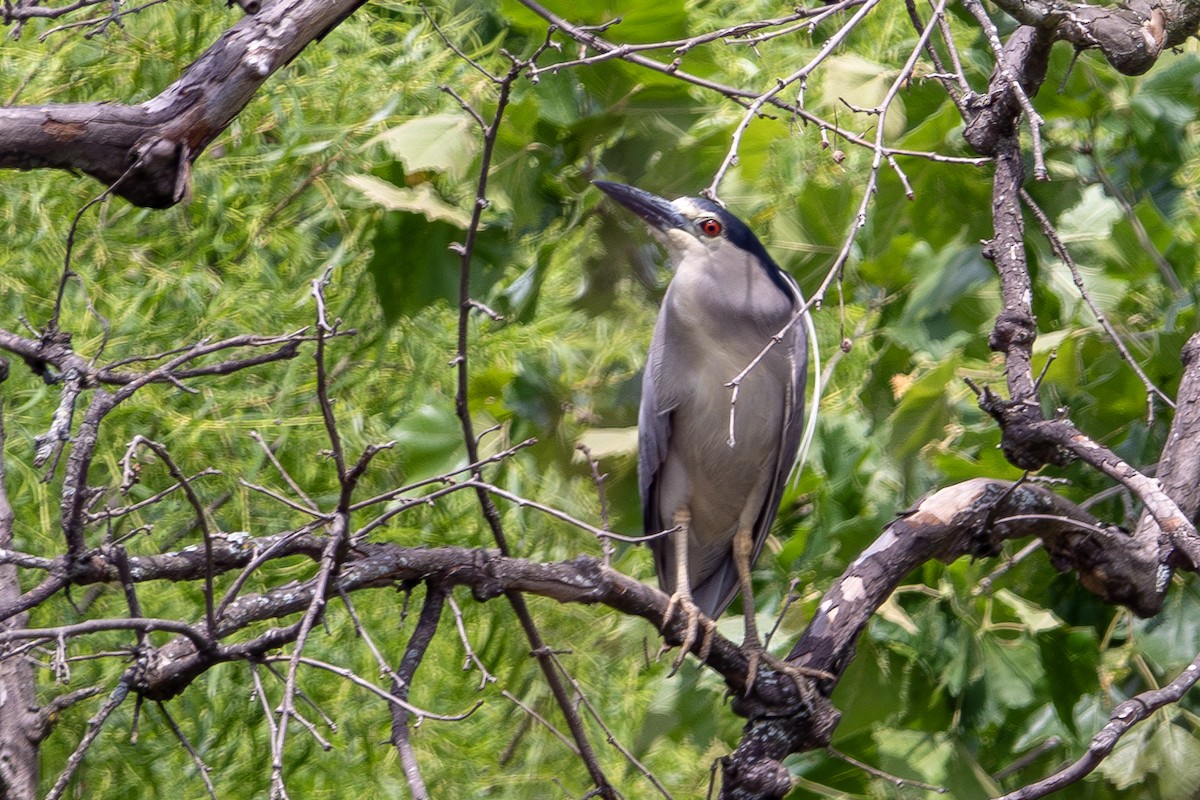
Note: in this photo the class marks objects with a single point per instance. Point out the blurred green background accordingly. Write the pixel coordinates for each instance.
(352, 158)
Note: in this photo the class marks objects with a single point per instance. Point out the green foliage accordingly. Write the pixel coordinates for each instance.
(353, 159)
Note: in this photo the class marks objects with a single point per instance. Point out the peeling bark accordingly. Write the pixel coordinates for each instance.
(969, 518)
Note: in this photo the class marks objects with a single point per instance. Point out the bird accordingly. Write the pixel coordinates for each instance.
(711, 469)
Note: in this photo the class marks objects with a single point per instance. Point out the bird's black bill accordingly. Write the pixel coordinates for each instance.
(650, 207)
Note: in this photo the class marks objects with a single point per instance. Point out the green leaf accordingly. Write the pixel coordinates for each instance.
(430, 440)
(413, 265)
(1035, 618)
(1075, 672)
(915, 754)
(1091, 218)
(922, 414)
(606, 442)
(1177, 752)
(438, 143)
(1171, 639)
(1011, 671)
(421, 199)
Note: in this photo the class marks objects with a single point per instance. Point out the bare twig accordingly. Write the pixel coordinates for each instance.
(1139, 230)
(608, 734)
(797, 77)
(599, 533)
(992, 34)
(269, 452)
(894, 780)
(418, 643)
(1064, 255)
(358, 680)
(742, 97)
(985, 583)
(115, 698)
(562, 737)
(1123, 718)
(157, 497)
(598, 481)
(201, 516)
(504, 85)
(201, 767)
(485, 676)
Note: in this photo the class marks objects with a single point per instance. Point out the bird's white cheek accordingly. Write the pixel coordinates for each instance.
(681, 245)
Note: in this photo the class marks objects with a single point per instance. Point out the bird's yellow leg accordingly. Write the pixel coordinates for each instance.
(681, 599)
(743, 546)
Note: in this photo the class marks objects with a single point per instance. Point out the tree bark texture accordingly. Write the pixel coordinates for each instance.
(1131, 36)
(19, 719)
(144, 152)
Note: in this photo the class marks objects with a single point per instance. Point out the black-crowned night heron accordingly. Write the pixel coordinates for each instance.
(717, 479)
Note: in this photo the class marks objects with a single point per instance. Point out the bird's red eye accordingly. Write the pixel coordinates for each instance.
(711, 227)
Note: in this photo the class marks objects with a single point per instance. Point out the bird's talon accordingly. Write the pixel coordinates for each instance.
(802, 677)
(695, 623)
(752, 669)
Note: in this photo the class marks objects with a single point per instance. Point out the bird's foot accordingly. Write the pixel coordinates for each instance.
(802, 677)
(681, 603)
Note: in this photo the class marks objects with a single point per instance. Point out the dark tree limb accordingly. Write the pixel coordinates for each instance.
(418, 643)
(1179, 464)
(538, 647)
(969, 518)
(56, 351)
(1016, 327)
(1130, 35)
(1021, 67)
(1029, 440)
(26, 11)
(150, 147)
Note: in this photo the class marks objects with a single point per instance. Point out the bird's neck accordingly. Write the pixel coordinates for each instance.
(732, 292)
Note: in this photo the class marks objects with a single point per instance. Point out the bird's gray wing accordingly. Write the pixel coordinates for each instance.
(654, 435)
(793, 426)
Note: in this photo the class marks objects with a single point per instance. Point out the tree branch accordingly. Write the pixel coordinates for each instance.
(162, 137)
(1123, 718)
(1130, 36)
(969, 518)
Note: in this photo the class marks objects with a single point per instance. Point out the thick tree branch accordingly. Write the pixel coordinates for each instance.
(150, 147)
(1130, 35)
(969, 518)
(1020, 70)
(1179, 465)
(1029, 440)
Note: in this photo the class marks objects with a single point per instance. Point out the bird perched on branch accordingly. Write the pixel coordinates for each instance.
(722, 411)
